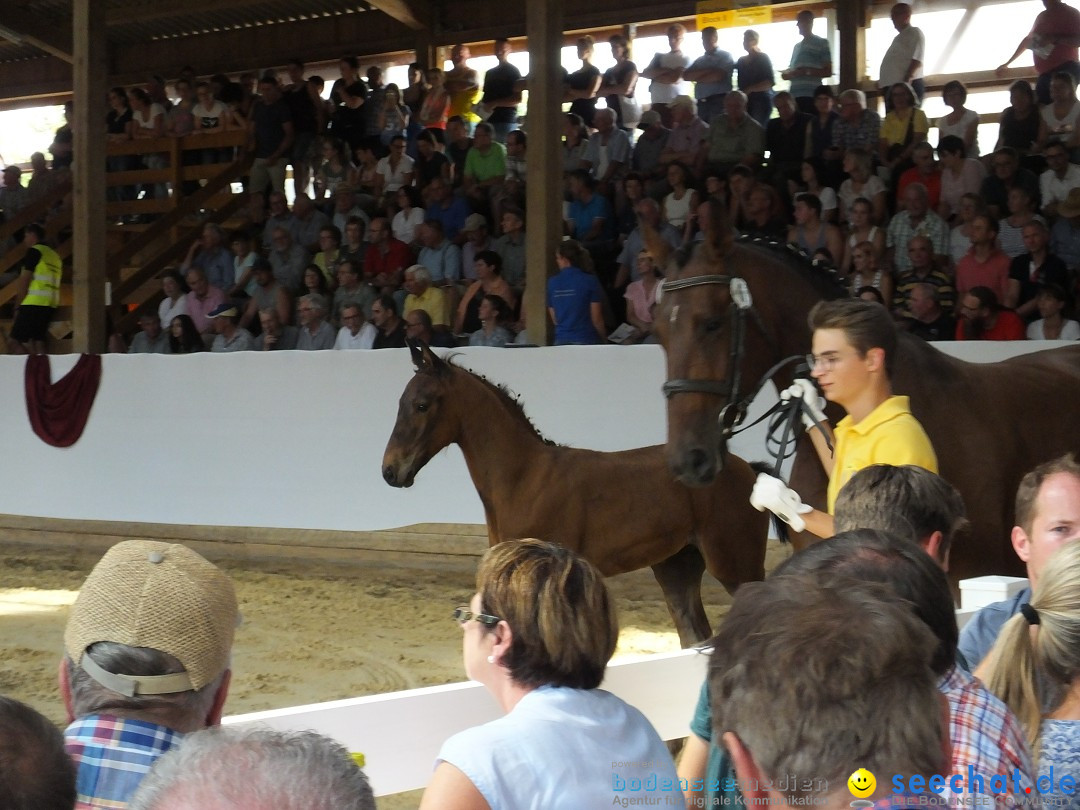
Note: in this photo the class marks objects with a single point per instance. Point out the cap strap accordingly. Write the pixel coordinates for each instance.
(132, 685)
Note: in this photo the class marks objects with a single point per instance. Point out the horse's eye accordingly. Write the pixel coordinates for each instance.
(422, 407)
(714, 324)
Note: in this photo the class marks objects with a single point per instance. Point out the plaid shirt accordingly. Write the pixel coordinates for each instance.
(864, 133)
(113, 754)
(986, 737)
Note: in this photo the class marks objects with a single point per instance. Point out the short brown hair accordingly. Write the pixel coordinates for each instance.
(907, 501)
(866, 325)
(845, 663)
(559, 611)
(1028, 491)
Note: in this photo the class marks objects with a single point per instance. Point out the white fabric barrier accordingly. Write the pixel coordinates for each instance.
(295, 439)
(400, 733)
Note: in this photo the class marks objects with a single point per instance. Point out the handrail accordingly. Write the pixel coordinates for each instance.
(172, 253)
(173, 218)
(35, 210)
(146, 146)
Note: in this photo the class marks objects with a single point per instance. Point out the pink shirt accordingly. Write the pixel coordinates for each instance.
(640, 301)
(1061, 20)
(992, 273)
(198, 308)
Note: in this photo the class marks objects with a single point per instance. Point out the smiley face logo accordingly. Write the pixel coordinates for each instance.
(861, 783)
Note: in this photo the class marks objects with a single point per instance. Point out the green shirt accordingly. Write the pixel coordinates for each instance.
(484, 167)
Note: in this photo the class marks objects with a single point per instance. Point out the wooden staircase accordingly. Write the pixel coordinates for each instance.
(137, 253)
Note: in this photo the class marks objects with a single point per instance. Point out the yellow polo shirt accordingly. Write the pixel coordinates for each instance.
(888, 435)
(433, 301)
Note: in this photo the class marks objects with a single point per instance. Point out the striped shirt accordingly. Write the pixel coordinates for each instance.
(113, 754)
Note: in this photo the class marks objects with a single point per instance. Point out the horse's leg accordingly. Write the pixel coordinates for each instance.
(679, 577)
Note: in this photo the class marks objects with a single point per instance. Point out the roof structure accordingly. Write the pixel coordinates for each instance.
(226, 36)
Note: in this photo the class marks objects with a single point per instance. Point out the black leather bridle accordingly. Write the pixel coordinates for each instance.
(742, 307)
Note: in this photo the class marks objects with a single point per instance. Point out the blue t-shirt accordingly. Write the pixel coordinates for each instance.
(980, 633)
(583, 213)
(570, 295)
(452, 217)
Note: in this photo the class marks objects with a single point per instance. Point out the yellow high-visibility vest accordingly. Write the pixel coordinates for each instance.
(44, 289)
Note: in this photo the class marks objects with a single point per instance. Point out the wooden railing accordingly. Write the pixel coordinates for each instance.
(151, 247)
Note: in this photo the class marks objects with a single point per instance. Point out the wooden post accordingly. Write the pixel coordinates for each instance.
(426, 52)
(543, 26)
(88, 178)
(851, 20)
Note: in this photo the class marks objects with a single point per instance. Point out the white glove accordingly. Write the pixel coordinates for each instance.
(774, 495)
(813, 404)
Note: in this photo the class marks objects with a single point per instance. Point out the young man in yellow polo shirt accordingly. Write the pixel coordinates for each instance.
(854, 347)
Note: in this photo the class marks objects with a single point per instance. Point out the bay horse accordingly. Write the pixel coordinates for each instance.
(989, 422)
(622, 511)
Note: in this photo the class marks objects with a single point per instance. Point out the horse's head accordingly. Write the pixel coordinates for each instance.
(701, 320)
(424, 425)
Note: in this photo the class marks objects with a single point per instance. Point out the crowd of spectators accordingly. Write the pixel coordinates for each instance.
(388, 179)
(430, 178)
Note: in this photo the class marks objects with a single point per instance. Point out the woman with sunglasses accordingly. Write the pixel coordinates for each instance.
(538, 634)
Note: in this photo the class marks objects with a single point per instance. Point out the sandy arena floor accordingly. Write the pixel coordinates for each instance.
(309, 634)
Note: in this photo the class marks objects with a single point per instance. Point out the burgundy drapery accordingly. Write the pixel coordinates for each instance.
(58, 411)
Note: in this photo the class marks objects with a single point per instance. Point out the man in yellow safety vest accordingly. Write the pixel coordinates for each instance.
(38, 292)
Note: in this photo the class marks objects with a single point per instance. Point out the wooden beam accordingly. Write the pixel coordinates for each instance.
(34, 30)
(141, 12)
(265, 46)
(543, 186)
(416, 14)
(88, 180)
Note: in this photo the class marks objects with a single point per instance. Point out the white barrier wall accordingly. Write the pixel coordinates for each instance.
(295, 439)
(400, 733)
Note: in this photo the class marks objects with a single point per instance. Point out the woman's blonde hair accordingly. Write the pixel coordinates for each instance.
(1032, 664)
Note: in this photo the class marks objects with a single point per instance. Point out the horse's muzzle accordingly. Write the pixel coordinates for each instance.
(697, 467)
(390, 475)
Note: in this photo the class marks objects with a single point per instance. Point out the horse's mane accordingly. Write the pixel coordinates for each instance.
(509, 399)
(821, 275)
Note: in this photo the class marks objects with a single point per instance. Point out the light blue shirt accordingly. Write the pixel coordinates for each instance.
(443, 262)
(812, 52)
(565, 749)
(717, 60)
(980, 633)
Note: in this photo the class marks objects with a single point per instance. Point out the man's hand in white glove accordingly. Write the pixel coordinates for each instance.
(813, 404)
(774, 495)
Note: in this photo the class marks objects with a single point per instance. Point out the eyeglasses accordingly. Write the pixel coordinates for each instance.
(824, 362)
(463, 614)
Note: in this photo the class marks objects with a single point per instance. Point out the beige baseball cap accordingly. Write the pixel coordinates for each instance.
(163, 596)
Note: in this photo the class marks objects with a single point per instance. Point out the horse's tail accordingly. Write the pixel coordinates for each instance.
(778, 526)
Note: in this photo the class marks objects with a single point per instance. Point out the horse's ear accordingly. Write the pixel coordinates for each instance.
(423, 358)
(719, 235)
(657, 246)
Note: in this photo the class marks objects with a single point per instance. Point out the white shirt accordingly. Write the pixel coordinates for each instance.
(404, 229)
(1070, 330)
(1055, 189)
(364, 339)
(906, 45)
(662, 93)
(168, 309)
(394, 179)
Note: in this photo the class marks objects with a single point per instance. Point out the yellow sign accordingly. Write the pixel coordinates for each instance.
(720, 14)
